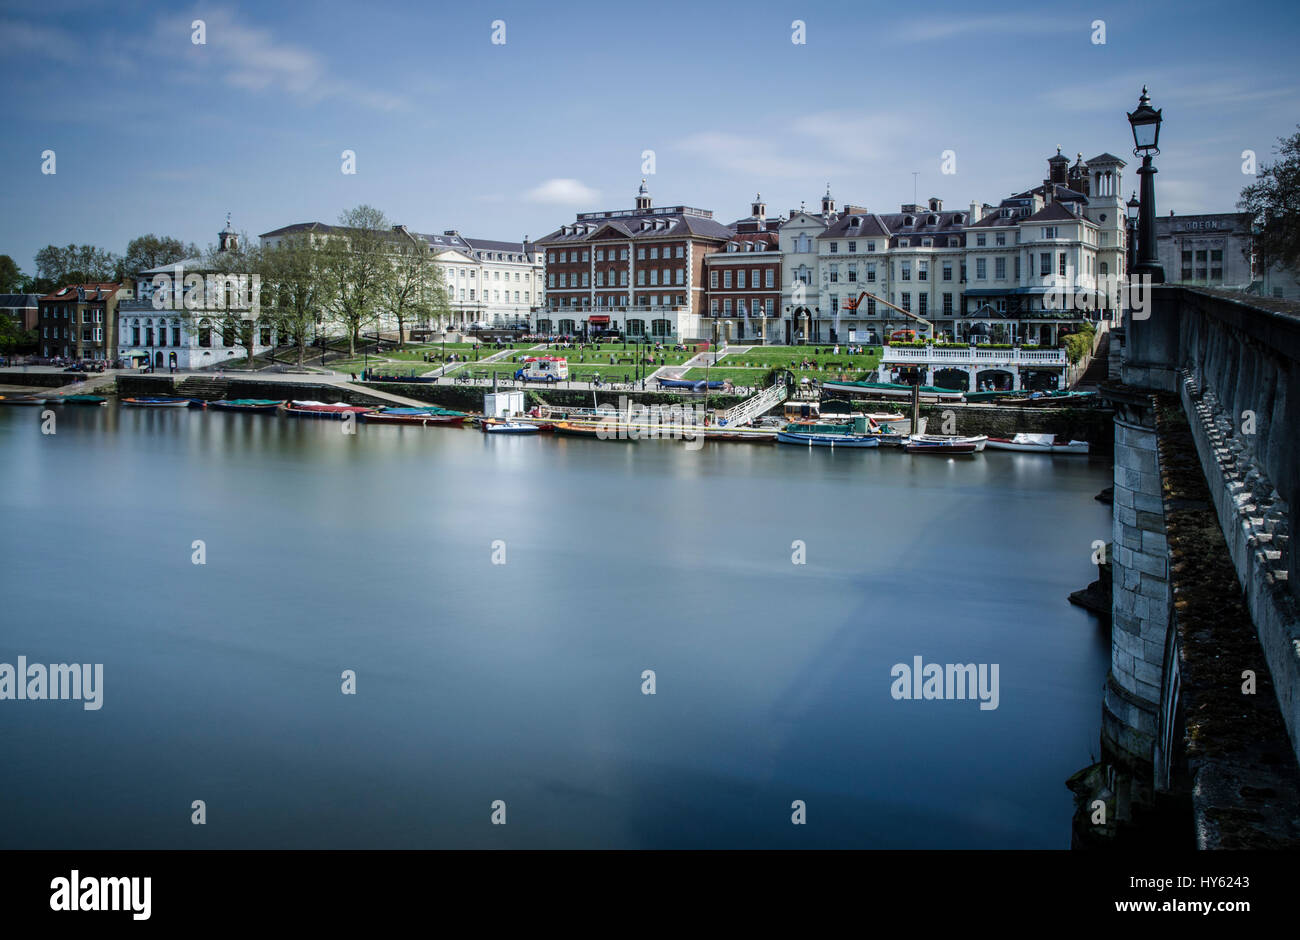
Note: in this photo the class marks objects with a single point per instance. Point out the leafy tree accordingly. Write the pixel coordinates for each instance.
(294, 288)
(153, 251)
(13, 338)
(1274, 204)
(359, 269)
(11, 279)
(75, 264)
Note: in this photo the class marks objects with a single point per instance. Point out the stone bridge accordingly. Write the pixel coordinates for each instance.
(1201, 713)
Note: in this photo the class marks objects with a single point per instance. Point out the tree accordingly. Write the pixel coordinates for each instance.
(293, 287)
(415, 290)
(13, 337)
(153, 251)
(11, 279)
(75, 264)
(1274, 204)
(359, 269)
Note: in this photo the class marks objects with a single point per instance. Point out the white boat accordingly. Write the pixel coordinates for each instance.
(509, 427)
(977, 441)
(1037, 444)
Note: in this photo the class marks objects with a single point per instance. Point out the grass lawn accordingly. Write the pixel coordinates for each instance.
(738, 377)
(752, 363)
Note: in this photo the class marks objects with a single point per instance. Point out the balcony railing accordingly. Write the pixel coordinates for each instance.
(1021, 355)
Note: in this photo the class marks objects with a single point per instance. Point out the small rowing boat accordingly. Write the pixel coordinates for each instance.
(247, 404)
(1037, 444)
(157, 401)
(596, 429)
(422, 417)
(321, 409)
(891, 390)
(80, 400)
(20, 400)
(977, 441)
(942, 446)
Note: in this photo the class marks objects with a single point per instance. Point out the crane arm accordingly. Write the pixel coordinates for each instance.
(907, 313)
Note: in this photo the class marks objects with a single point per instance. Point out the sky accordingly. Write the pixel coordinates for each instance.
(155, 133)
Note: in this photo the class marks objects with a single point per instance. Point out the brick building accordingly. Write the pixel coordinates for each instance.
(744, 279)
(640, 271)
(79, 321)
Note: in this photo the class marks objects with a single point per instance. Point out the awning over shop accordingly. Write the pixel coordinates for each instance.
(598, 318)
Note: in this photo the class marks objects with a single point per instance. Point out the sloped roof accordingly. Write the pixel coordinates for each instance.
(19, 300)
(95, 290)
(679, 226)
(1054, 211)
(301, 227)
(1104, 158)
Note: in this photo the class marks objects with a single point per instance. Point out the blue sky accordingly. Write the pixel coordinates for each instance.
(156, 134)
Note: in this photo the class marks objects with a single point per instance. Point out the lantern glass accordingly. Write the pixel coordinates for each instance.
(1133, 206)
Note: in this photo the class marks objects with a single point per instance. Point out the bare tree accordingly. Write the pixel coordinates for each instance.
(294, 288)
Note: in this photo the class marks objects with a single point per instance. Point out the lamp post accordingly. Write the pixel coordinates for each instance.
(1145, 122)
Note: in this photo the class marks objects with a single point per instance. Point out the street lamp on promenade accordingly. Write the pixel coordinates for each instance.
(1145, 122)
(1132, 210)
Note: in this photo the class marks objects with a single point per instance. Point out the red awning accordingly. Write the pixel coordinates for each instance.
(598, 318)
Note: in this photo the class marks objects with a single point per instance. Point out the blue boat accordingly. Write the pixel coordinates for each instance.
(814, 439)
(697, 385)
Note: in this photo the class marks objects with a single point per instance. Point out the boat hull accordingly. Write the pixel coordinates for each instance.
(807, 439)
(940, 449)
(157, 402)
(378, 417)
(261, 406)
(890, 390)
(323, 410)
(1073, 447)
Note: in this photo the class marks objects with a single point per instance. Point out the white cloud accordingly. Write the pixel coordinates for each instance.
(563, 192)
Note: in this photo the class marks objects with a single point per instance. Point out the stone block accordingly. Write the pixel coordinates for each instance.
(1155, 543)
(1154, 565)
(1155, 588)
(1125, 497)
(1145, 502)
(1150, 673)
(1150, 521)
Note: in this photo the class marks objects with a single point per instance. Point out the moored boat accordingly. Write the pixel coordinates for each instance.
(892, 390)
(918, 444)
(697, 385)
(157, 401)
(1037, 444)
(20, 400)
(80, 400)
(978, 441)
(422, 417)
(493, 426)
(596, 429)
(247, 404)
(827, 434)
(321, 409)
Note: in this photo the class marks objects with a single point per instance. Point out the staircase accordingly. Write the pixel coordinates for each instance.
(756, 405)
(202, 387)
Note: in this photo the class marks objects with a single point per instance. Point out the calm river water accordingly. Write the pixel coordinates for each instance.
(522, 681)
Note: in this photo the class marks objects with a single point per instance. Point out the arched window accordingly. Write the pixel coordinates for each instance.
(1105, 269)
(205, 333)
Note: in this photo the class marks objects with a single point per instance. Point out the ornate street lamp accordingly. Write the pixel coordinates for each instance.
(1145, 122)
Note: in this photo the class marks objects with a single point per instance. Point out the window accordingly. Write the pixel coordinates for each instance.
(1216, 264)
(871, 306)
(923, 270)
(740, 280)
(835, 247)
(600, 278)
(853, 248)
(726, 280)
(835, 273)
(640, 278)
(1017, 266)
(904, 242)
(600, 254)
(947, 305)
(1001, 238)
(906, 268)
(584, 256)
(1105, 269)
(622, 278)
(550, 258)
(871, 272)
(1061, 264)
(654, 254)
(769, 279)
(927, 243)
(1200, 265)
(640, 254)
(980, 240)
(923, 302)
(726, 307)
(713, 280)
(963, 272)
(654, 277)
(947, 270)
(981, 269)
(871, 246)
(853, 273)
(1045, 263)
(1049, 231)
(907, 301)
(1000, 268)
(681, 251)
